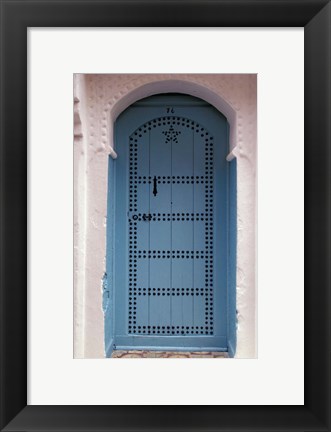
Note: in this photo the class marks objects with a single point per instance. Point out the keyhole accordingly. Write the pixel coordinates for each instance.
(154, 186)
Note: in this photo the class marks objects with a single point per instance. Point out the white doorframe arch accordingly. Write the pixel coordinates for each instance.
(199, 89)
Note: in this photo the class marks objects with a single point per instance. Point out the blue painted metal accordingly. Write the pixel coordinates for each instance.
(232, 267)
(108, 278)
(168, 257)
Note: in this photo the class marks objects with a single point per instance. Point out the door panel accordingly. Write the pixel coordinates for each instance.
(167, 241)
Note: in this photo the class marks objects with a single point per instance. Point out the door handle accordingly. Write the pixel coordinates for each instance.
(154, 186)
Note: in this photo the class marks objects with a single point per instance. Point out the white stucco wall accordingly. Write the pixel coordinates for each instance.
(98, 100)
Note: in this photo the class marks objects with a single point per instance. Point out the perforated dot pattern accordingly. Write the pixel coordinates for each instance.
(172, 128)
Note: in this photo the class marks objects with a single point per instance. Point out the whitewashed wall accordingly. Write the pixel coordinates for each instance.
(98, 100)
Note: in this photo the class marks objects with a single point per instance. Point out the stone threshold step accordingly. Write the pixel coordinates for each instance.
(167, 354)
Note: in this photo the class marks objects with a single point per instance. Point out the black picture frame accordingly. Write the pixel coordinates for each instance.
(16, 17)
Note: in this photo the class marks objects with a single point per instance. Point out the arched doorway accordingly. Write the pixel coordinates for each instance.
(170, 233)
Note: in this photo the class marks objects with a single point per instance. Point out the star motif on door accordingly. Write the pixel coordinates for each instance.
(171, 135)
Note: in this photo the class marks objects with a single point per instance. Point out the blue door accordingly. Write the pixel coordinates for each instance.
(168, 259)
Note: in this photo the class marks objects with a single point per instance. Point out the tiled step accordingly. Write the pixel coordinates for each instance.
(168, 354)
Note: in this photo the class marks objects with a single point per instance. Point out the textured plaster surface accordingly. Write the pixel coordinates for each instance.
(98, 100)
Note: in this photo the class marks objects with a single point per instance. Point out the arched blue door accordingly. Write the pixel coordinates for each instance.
(168, 258)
